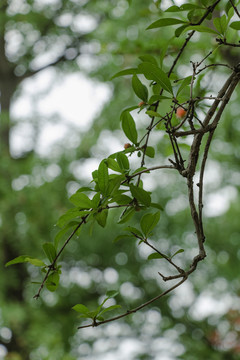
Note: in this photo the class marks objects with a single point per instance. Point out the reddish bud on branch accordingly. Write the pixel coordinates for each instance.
(180, 113)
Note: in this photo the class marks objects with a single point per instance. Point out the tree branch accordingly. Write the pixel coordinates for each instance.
(129, 312)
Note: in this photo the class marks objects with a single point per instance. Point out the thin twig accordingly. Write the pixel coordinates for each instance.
(52, 266)
(224, 42)
(181, 271)
(235, 8)
(129, 312)
(213, 65)
(209, 10)
(150, 169)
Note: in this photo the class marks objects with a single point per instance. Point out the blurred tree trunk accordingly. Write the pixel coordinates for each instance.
(8, 85)
(14, 281)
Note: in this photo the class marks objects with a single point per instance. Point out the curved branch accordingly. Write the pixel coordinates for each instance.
(129, 312)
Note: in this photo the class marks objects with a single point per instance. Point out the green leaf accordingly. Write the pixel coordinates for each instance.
(101, 218)
(150, 151)
(141, 195)
(95, 175)
(96, 200)
(185, 7)
(195, 15)
(18, 260)
(149, 58)
(114, 184)
(52, 281)
(201, 28)
(63, 231)
(157, 206)
(81, 200)
(184, 83)
(156, 256)
(220, 24)
(155, 98)
(130, 149)
(173, 8)
(70, 215)
(165, 22)
(109, 308)
(36, 262)
(129, 127)
(153, 113)
(130, 71)
(177, 252)
(112, 293)
(122, 199)
(122, 160)
(140, 90)
(25, 259)
(152, 72)
(85, 188)
(180, 29)
(140, 169)
(50, 251)
(89, 315)
(80, 308)
(122, 237)
(129, 109)
(113, 165)
(235, 25)
(149, 221)
(230, 13)
(127, 215)
(103, 177)
(134, 231)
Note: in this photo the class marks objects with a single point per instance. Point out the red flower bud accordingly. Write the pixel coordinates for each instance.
(180, 113)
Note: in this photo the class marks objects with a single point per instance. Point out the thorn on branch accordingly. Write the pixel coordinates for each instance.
(162, 276)
(172, 162)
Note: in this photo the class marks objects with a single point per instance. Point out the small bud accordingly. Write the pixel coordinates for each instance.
(141, 103)
(180, 113)
(126, 146)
